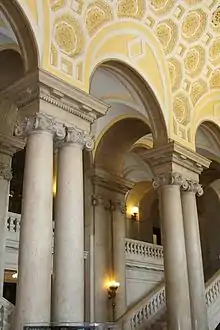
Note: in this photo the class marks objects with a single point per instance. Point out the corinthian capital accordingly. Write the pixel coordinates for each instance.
(39, 122)
(193, 186)
(5, 172)
(78, 136)
(168, 179)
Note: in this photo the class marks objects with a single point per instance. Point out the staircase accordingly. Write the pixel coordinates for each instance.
(150, 312)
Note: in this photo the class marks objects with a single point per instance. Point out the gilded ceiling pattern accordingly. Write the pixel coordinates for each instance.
(188, 31)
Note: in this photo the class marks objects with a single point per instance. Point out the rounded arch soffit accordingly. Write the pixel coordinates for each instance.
(154, 112)
(23, 32)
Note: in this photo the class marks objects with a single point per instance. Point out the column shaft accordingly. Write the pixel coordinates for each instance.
(68, 285)
(119, 263)
(194, 262)
(102, 259)
(4, 195)
(175, 268)
(34, 270)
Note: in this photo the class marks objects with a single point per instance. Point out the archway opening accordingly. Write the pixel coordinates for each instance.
(208, 145)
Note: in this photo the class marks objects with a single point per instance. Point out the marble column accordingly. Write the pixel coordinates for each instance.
(175, 267)
(119, 263)
(5, 177)
(34, 267)
(102, 267)
(194, 255)
(68, 282)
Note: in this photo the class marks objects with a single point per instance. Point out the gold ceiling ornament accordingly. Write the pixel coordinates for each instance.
(68, 35)
(215, 79)
(214, 51)
(216, 18)
(181, 109)
(175, 72)
(194, 25)
(198, 89)
(57, 4)
(97, 14)
(162, 6)
(53, 56)
(131, 8)
(194, 61)
(166, 32)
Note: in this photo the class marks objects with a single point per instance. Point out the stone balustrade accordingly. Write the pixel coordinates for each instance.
(138, 251)
(213, 289)
(152, 307)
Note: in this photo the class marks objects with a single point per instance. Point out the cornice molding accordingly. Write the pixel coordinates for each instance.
(42, 86)
(9, 145)
(109, 181)
(173, 158)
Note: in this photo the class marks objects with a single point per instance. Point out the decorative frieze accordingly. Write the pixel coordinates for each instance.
(40, 122)
(41, 86)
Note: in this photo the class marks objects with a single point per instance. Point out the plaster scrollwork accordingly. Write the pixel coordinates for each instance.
(168, 179)
(178, 180)
(97, 13)
(57, 4)
(216, 18)
(181, 109)
(101, 201)
(193, 186)
(162, 6)
(198, 89)
(68, 35)
(131, 8)
(39, 122)
(78, 136)
(194, 25)
(5, 172)
(118, 205)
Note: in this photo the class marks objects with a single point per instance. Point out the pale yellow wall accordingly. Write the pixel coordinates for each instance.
(173, 45)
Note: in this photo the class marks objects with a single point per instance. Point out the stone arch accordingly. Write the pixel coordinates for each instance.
(207, 140)
(117, 141)
(133, 104)
(125, 35)
(23, 32)
(206, 110)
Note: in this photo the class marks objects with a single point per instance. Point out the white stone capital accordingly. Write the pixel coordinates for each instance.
(193, 186)
(175, 179)
(80, 137)
(39, 122)
(5, 172)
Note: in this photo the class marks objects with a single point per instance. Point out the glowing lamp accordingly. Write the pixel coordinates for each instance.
(134, 213)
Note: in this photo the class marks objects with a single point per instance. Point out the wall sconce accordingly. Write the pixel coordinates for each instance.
(112, 291)
(134, 213)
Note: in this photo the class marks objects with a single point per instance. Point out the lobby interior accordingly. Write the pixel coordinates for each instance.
(110, 164)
